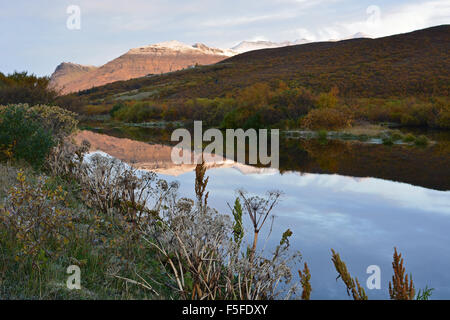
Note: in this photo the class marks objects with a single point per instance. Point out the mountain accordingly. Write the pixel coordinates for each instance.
(153, 59)
(409, 64)
(138, 62)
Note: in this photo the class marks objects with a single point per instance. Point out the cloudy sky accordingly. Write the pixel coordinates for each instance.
(34, 35)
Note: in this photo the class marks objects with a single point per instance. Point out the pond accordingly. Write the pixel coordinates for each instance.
(361, 200)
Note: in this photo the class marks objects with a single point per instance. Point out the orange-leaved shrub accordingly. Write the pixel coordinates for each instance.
(327, 118)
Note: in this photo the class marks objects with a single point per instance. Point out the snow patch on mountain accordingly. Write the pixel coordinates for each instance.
(181, 47)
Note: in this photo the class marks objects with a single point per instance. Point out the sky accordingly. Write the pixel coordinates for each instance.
(36, 36)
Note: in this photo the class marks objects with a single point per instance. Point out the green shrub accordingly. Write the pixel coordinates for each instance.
(409, 138)
(396, 136)
(24, 136)
(443, 120)
(116, 108)
(39, 224)
(60, 122)
(421, 141)
(363, 137)
(20, 87)
(139, 112)
(388, 141)
(322, 135)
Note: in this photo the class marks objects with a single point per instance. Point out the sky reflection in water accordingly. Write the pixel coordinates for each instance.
(361, 218)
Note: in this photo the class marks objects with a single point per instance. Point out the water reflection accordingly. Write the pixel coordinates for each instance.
(363, 219)
(427, 167)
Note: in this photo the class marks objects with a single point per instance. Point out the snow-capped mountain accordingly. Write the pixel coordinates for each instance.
(138, 62)
(180, 47)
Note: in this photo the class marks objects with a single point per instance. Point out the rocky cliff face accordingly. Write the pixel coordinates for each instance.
(138, 62)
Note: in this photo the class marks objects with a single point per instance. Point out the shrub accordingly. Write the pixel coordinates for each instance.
(421, 141)
(326, 118)
(211, 111)
(24, 136)
(60, 122)
(139, 112)
(20, 87)
(37, 219)
(116, 107)
(388, 141)
(409, 138)
(109, 185)
(254, 96)
(322, 134)
(328, 100)
(297, 101)
(95, 109)
(443, 120)
(396, 136)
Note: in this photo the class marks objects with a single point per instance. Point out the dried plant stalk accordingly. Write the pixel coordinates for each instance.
(401, 287)
(305, 277)
(200, 184)
(353, 287)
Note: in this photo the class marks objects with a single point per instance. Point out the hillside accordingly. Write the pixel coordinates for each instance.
(415, 63)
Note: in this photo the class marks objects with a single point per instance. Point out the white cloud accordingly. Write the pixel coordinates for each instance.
(305, 34)
(397, 20)
(235, 21)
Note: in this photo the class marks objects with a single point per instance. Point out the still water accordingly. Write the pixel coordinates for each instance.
(361, 200)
